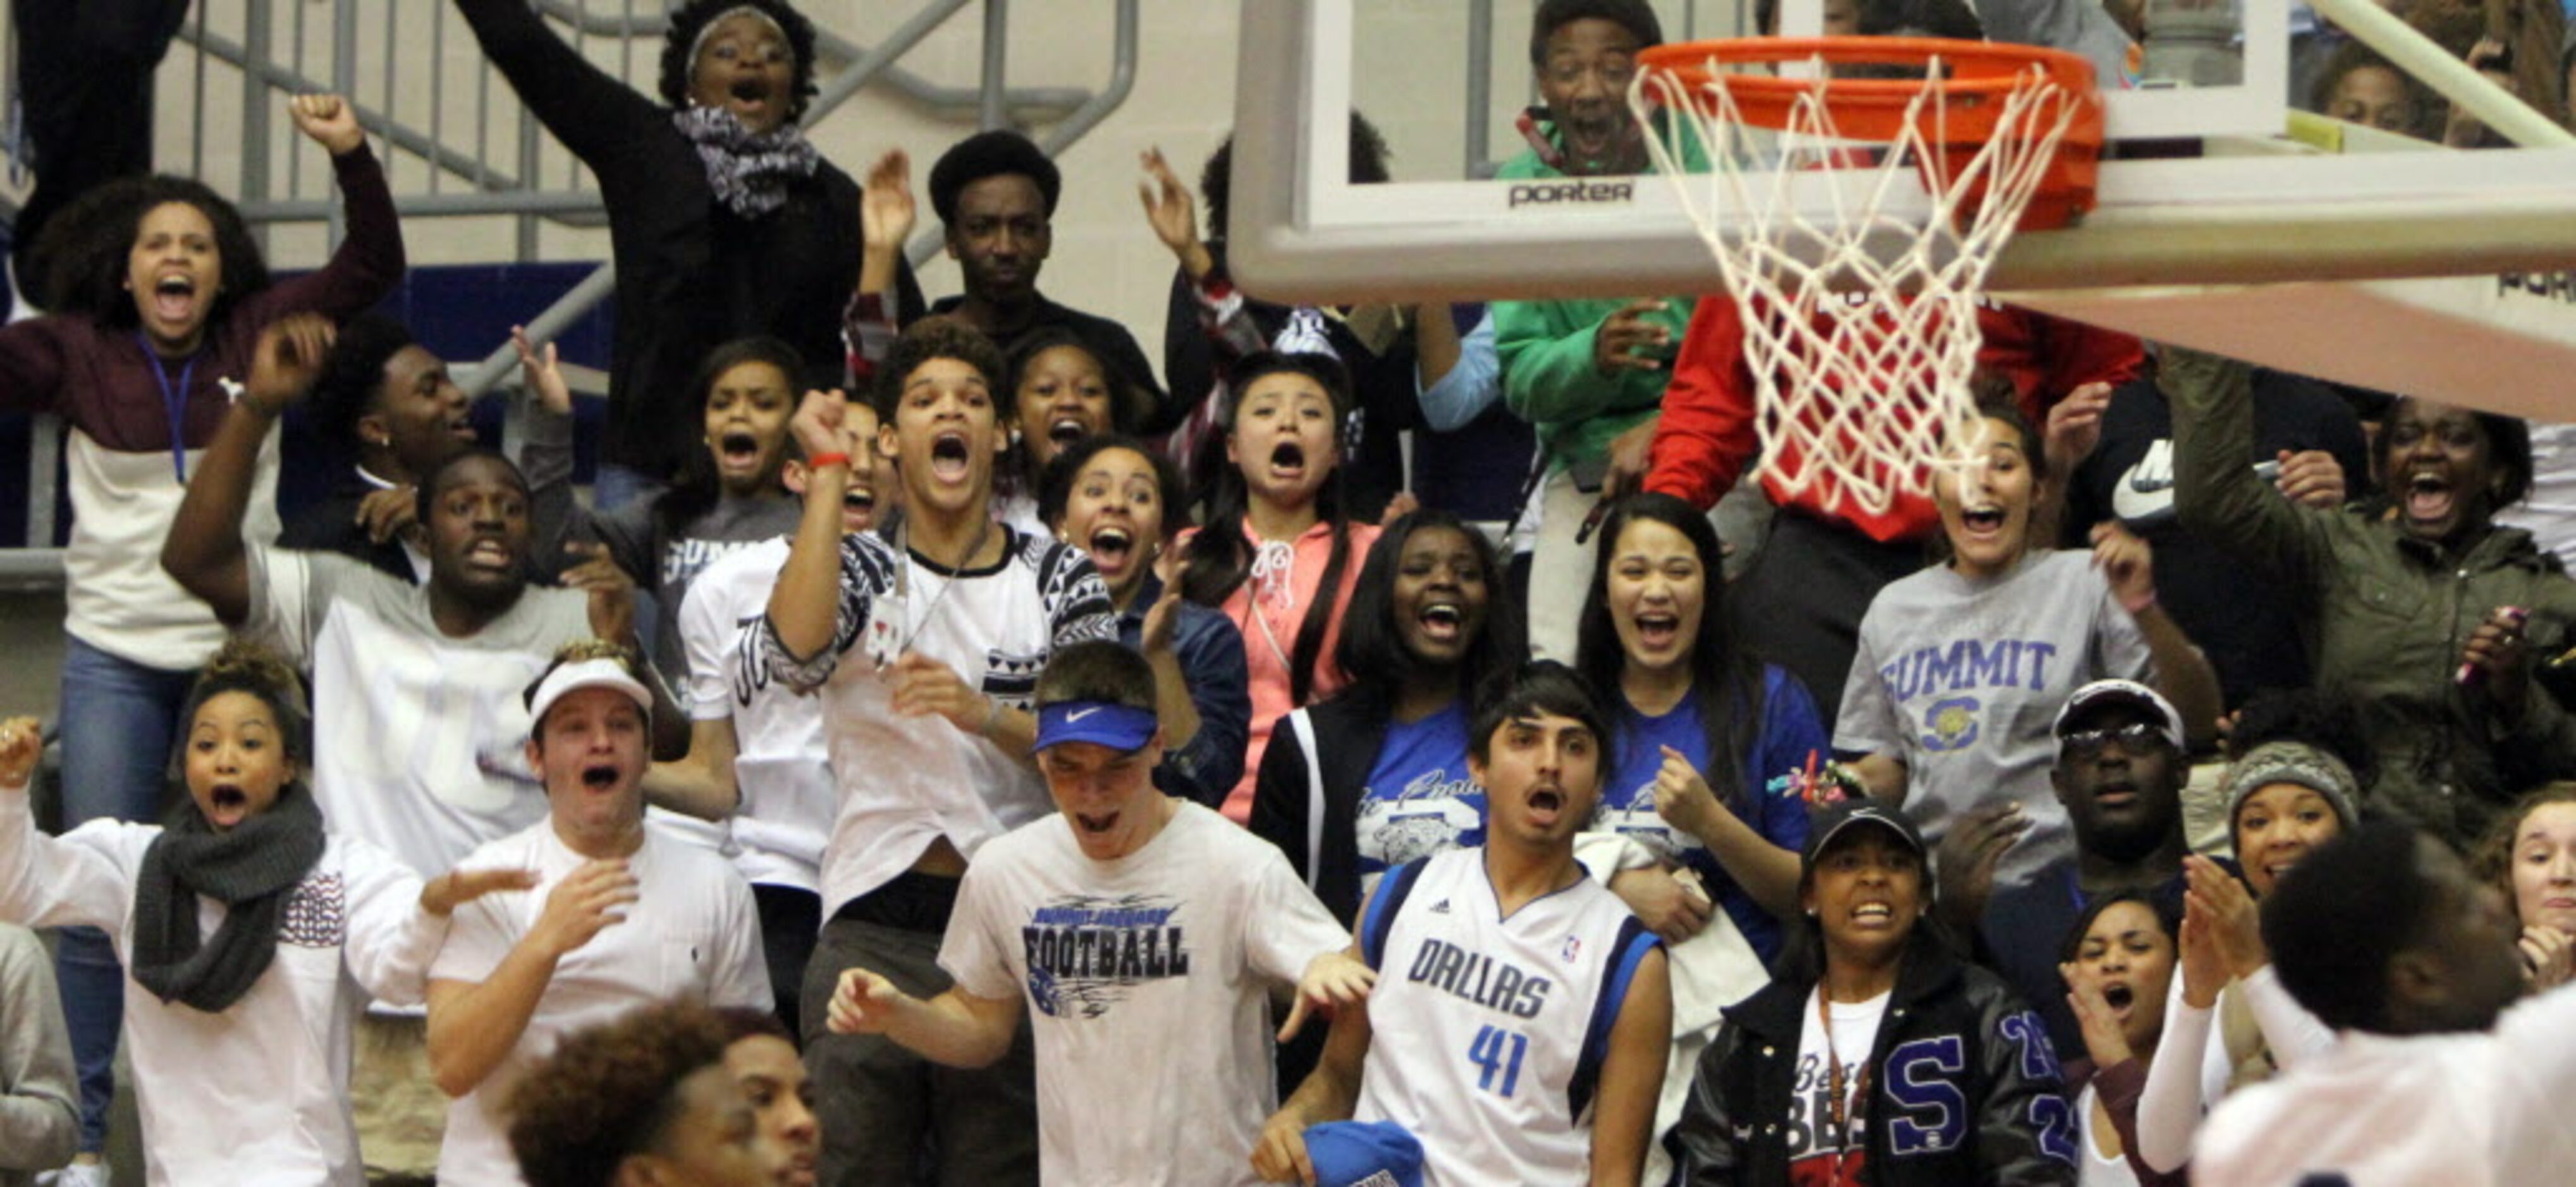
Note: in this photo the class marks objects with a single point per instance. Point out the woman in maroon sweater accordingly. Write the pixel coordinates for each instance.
(162, 294)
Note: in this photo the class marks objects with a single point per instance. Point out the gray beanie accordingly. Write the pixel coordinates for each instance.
(2312, 767)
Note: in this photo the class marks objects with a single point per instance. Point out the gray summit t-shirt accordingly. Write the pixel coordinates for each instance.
(664, 565)
(1962, 678)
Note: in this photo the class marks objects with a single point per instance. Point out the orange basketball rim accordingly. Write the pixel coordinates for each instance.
(1968, 112)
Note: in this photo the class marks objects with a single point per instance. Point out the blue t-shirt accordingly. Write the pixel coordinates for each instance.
(1418, 800)
(1773, 772)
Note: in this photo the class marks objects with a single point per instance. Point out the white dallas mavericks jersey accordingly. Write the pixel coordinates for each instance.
(1489, 1032)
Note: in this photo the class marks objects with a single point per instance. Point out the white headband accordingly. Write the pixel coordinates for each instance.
(700, 41)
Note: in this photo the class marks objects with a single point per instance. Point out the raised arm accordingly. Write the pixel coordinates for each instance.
(45, 881)
(473, 1025)
(594, 115)
(396, 922)
(1456, 377)
(804, 608)
(2216, 489)
(2182, 673)
(1552, 377)
(204, 552)
(370, 258)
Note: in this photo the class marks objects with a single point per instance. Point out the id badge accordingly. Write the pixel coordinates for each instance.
(884, 636)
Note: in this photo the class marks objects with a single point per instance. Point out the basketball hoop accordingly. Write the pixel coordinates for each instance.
(1863, 394)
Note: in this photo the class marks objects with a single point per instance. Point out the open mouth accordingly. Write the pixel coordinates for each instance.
(749, 92)
(229, 798)
(859, 498)
(2119, 996)
(739, 448)
(1110, 546)
(2429, 498)
(1545, 805)
(462, 429)
(1982, 520)
(1442, 621)
(174, 297)
(1068, 429)
(488, 552)
(1288, 460)
(1095, 825)
(1658, 629)
(599, 777)
(1873, 913)
(948, 457)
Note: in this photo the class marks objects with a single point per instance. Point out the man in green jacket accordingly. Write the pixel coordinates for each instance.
(1588, 374)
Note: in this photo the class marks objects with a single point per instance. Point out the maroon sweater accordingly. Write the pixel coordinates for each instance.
(102, 379)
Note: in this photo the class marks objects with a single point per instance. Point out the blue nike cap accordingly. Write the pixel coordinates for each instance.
(1106, 723)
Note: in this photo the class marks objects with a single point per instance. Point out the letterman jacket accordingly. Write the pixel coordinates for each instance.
(1964, 1087)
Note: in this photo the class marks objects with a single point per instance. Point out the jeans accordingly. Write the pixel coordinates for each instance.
(118, 718)
(893, 1119)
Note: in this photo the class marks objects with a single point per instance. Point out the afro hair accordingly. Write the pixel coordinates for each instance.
(999, 153)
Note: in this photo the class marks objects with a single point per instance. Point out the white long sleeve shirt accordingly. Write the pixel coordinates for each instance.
(258, 1094)
(2191, 1068)
(2464, 1109)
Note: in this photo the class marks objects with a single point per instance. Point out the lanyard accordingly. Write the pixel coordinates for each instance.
(903, 584)
(175, 401)
(1844, 1114)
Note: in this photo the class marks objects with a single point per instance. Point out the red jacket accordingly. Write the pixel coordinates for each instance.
(1707, 432)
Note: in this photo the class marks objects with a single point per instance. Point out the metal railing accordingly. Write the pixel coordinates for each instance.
(483, 154)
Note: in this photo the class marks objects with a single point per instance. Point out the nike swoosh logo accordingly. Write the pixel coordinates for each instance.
(1079, 714)
(2145, 494)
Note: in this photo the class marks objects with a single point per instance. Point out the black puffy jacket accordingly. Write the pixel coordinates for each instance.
(1964, 1087)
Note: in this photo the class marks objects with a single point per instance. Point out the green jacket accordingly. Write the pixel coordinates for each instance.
(1546, 353)
(2386, 616)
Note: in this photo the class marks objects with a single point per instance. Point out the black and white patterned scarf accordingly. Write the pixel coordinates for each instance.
(749, 173)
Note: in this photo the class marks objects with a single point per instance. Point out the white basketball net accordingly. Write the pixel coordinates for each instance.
(1862, 392)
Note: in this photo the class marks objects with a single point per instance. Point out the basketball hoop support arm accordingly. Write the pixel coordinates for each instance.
(2422, 57)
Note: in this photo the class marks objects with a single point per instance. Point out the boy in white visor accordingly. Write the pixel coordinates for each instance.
(620, 915)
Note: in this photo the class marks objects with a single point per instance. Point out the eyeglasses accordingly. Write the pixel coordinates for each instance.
(2135, 740)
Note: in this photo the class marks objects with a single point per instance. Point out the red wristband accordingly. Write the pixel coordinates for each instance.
(820, 460)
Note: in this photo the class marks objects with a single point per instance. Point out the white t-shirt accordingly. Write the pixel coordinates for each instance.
(258, 1094)
(779, 752)
(693, 933)
(2457, 1109)
(1810, 1124)
(1147, 980)
(424, 737)
(1484, 1027)
(1962, 678)
(905, 781)
(2092, 1168)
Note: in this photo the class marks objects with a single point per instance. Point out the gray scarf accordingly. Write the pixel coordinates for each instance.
(749, 173)
(252, 870)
